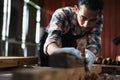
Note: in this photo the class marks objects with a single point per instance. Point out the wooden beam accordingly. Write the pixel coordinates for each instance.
(6, 62)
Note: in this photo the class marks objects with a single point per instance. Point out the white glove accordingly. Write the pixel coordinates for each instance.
(90, 58)
(69, 50)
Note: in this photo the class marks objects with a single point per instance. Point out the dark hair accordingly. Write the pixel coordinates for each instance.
(92, 4)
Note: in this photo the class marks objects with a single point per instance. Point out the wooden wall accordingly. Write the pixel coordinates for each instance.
(110, 25)
(111, 28)
(49, 6)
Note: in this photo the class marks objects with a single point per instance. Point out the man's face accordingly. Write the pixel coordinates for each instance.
(86, 18)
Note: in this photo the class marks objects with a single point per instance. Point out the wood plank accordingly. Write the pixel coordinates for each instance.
(6, 62)
(49, 73)
(65, 60)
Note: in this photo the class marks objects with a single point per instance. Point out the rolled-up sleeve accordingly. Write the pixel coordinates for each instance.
(53, 37)
(54, 29)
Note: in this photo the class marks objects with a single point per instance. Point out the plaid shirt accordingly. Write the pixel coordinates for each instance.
(64, 21)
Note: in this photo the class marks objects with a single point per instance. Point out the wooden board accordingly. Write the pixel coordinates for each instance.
(65, 60)
(17, 61)
(48, 73)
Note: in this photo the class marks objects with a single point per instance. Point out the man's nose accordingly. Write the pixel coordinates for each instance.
(86, 24)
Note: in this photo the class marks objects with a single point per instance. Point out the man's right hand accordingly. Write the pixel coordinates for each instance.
(69, 50)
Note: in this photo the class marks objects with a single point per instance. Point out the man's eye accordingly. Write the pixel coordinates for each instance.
(83, 18)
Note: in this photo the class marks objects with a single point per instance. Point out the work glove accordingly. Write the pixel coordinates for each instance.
(69, 50)
(90, 58)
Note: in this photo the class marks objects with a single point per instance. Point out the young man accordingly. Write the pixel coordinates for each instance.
(71, 23)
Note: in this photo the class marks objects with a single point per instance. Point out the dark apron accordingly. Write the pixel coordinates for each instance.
(68, 40)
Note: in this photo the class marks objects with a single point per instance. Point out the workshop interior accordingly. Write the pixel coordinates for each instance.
(22, 24)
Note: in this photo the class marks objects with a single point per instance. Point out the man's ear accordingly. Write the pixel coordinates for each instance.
(76, 9)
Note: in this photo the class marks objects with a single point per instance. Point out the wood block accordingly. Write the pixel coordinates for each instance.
(6, 62)
(63, 66)
(48, 73)
(65, 60)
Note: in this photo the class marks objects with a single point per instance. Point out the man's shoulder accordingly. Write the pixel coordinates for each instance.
(67, 9)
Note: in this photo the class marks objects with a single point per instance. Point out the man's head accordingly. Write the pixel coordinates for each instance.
(87, 13)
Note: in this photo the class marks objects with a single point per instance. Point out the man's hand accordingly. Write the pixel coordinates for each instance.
(69, 50)
(90, 58)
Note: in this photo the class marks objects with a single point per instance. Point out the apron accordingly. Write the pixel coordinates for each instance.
(68, 40)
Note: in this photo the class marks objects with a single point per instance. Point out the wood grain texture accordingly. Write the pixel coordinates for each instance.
(6, 62)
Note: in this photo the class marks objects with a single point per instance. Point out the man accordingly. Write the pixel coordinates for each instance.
(71, 23)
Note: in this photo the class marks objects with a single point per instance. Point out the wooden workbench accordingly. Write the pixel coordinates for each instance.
(6, 62)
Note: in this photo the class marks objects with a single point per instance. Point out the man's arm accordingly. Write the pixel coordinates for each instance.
(94, 43)
(94, 38)
(93, 50)
(51, 48)
(55, 30)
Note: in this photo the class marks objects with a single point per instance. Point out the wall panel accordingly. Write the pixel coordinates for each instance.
(111, 28)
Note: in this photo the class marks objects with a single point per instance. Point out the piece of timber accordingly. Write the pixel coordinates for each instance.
(49, 73)
(65, 60)
(6, 62)
(63, 66)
